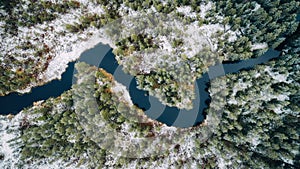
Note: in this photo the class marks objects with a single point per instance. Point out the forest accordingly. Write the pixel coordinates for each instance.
(17, 74)
(253, 118)
(259, 126)
(261, 112)
(23, 69)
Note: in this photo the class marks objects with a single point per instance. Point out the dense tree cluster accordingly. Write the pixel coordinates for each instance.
(16, 73)
(278, 18)
(259, 125)
(105, 100)
(161, 82)
(257, 22)
(36, 12)
(95, 20)
(260, 120)
(68, 127)
(133, 43)
(261, 113)
(57, 134)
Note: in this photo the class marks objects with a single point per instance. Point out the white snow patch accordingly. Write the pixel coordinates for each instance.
(205, 8)
(277, 110)
(282, 97)
(187, 11)
(165, 43)
(254, 141)
(276, 76)
(209, 31)
(240, 86)
(258, 46)
(118, 87)
(257, 6)
(59, 64)
(8, 131)
(257, 74)
(45, 164)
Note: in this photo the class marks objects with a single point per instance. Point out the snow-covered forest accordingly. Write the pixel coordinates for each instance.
(166, 45)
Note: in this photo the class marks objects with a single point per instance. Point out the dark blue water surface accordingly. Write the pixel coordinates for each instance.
(102, 56)
(14, 102)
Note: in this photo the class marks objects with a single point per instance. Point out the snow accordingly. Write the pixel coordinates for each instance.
(258, 46)
(221, 163)
(26, 90)
(233, 35)
(187, 11)
(257, 6)
(59, 64)
(282, 97)
(276, 76)
(209, 31)
(277, 110)
(165, 44)
(205, 8)
(54, 164)
(70, 47)
(5, 137)
(168, 131)
(118, 87)
(257, 74)
(9, 131)
(232, 101)
(254, 140)
(240, 86)
(289, 161)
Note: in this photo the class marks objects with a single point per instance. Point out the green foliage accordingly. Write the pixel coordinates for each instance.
(133, 43)
(60, 128)
(255, 131)
(262, 119)
(258, 22)
(36, 13)
(160, 82)
(17, 15)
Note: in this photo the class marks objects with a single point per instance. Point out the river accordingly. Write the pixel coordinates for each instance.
(14, 103)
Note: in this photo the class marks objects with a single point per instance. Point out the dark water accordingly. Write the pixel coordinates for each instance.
(102, 56)
(14, 103)
(187, 118)
(250, 63)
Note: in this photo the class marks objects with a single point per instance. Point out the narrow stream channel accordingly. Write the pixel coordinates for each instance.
(14, 103)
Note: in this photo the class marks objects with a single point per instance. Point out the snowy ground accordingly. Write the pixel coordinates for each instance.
(118, 87)
(9, 130)
(66, 47)
(10, 150)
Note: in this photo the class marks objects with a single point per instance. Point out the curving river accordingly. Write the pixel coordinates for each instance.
(14, 103)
